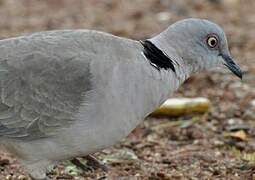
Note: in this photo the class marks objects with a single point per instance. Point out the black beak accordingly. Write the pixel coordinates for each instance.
(232, 66)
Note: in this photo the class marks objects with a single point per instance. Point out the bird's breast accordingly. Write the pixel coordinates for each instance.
(118, 106)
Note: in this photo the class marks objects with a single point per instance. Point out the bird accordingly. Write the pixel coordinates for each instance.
(70, 93)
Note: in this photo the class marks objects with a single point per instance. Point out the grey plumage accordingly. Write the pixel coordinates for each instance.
(40, 91)
(72, 92)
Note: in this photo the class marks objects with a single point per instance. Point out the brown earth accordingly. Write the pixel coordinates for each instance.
(220, 145)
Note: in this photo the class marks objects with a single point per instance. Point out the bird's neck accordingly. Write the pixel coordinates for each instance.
(164, 43)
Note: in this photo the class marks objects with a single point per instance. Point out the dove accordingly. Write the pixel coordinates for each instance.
(70, 93)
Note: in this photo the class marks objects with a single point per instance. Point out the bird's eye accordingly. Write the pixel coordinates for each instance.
(212, 41)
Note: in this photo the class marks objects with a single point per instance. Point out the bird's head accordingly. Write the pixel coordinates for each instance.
(200, 44)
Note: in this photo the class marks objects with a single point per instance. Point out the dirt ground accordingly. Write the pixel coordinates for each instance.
(219, 145)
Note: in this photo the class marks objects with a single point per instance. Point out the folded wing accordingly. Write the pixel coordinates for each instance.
(40, 92)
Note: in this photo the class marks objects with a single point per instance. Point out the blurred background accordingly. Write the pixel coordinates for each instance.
(219, 144)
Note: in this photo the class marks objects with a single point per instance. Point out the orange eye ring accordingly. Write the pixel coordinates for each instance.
(212, 41)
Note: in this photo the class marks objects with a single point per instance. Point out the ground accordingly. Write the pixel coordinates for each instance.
(220, 144)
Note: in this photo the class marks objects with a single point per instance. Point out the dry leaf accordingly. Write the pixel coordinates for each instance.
(122, 156)
(240, 135)
(180, 106)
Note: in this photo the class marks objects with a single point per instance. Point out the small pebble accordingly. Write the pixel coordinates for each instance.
(164, 16)
(218, 143)
(217, 153)
(22, 177)
(253, 103)
(8, 177)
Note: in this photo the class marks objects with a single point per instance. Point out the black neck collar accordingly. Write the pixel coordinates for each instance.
(157, 57)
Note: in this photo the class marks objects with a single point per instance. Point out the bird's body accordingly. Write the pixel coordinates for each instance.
(71, 113)
(69, 93)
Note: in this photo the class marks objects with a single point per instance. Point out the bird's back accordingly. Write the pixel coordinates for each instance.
(45, 77)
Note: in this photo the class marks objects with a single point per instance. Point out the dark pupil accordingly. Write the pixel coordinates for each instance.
(213, 42)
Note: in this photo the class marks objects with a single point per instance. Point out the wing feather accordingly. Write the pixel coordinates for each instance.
(40, 91)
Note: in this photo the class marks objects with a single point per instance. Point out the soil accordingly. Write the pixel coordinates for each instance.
(220, 145)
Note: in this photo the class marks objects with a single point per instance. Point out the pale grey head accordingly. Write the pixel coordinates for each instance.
(199, 43)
